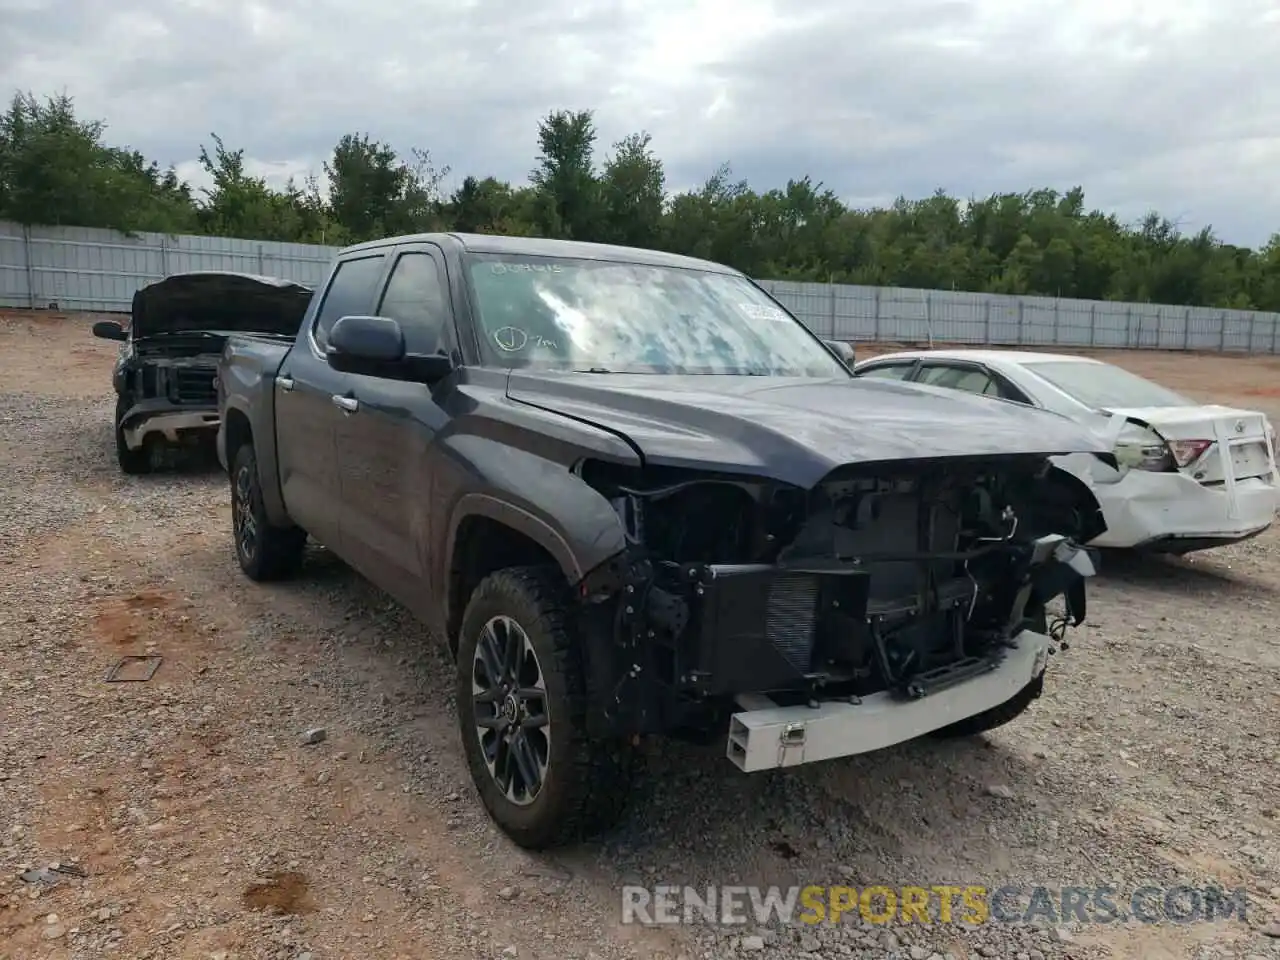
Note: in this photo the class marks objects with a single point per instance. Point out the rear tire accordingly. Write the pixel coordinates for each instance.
(265, 552)
(131, 461)
(521, 700)
(997, 716)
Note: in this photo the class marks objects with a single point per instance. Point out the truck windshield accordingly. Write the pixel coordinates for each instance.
(607, 316)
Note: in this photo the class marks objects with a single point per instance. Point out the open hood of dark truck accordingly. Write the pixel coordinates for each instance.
(219, 302)
(798, 430)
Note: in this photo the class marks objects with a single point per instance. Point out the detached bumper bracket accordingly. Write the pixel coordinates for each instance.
(929, 682)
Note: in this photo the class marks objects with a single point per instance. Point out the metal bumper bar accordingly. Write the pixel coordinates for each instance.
(168, 424)
(765, 736)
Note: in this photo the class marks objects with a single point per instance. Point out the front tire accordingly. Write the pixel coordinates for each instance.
(521, 700)
(997, 716)
(131, 461)
(265, 552)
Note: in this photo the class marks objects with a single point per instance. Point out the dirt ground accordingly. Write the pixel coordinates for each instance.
(205, 828)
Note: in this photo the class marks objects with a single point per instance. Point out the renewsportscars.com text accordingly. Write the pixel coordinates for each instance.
(973, 905)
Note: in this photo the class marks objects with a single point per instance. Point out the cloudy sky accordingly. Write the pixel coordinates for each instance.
(1172, 105)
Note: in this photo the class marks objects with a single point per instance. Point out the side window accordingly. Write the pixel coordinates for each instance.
(969, 379)
(350, 292)
(416, 298)
(1004, 388)
(890, 371)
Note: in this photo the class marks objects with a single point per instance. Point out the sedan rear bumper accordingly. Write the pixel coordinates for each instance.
(1171, 511)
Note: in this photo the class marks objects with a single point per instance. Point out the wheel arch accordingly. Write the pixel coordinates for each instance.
(237, 430)
(489, 534)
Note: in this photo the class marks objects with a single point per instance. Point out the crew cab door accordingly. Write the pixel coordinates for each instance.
(385, 439)
(307, 416)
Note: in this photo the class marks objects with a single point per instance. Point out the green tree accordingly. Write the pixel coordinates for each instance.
(633, 192)
(568, 191)
(373, 193)
(57, 168)
(491, 206)
(241, 205)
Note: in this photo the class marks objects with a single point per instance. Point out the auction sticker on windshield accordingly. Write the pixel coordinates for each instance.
(762, 311)
(501, 268)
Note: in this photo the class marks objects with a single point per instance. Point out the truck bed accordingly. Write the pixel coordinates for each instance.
(246, 383)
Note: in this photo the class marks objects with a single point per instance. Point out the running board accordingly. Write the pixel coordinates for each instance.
(765, 736)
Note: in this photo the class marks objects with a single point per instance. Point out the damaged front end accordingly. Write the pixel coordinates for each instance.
(169, 389)
(895, 581)
(166, 376)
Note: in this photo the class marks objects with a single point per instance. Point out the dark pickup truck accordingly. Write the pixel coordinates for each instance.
(635, 496)
(164, 373)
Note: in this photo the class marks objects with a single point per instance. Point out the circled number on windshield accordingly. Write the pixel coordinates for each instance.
(510, 339)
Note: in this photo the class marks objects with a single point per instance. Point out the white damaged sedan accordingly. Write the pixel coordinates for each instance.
(1191, 475)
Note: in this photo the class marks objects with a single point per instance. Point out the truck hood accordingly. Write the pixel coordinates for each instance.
(798, 430)
(218, 302)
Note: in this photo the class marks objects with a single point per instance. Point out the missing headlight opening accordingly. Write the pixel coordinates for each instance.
(906, 578)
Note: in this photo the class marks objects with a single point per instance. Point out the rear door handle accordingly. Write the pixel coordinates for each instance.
(286, 383)
(347, 404)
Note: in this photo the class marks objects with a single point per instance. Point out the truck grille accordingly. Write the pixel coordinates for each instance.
(790, 617)
(193, 385)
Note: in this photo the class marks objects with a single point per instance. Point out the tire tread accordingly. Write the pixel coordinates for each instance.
(280, 549)
(132, 462)
(997, 716)
(601, 772)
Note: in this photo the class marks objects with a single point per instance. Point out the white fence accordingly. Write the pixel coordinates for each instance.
(78, 268)
(75, 268)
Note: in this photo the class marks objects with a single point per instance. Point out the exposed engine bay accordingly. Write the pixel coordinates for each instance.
(901, 577)
(178, 369)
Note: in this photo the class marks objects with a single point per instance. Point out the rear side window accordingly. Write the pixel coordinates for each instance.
(969, 379)
(1005, 389)
(350, 292)
(890, 371)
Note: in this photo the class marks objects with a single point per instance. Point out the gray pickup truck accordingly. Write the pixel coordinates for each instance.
(635, 496)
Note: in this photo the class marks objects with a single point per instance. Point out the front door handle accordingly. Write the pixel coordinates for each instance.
(347, 404)
(286, 383)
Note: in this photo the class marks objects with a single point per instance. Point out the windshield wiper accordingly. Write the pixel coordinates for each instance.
(595, 370)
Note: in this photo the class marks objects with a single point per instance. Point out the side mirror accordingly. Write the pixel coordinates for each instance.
(109, 330)
(844, 351)
(375, 347)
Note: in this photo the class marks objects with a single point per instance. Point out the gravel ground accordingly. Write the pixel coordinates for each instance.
(207, 828)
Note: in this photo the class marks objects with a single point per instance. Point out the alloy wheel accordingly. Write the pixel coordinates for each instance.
(244, 523)
(509, 698)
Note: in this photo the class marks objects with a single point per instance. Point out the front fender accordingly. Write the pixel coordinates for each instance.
(120, 371)
(518, 518)
(540, 498)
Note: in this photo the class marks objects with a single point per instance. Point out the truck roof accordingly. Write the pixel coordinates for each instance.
(543, 247)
